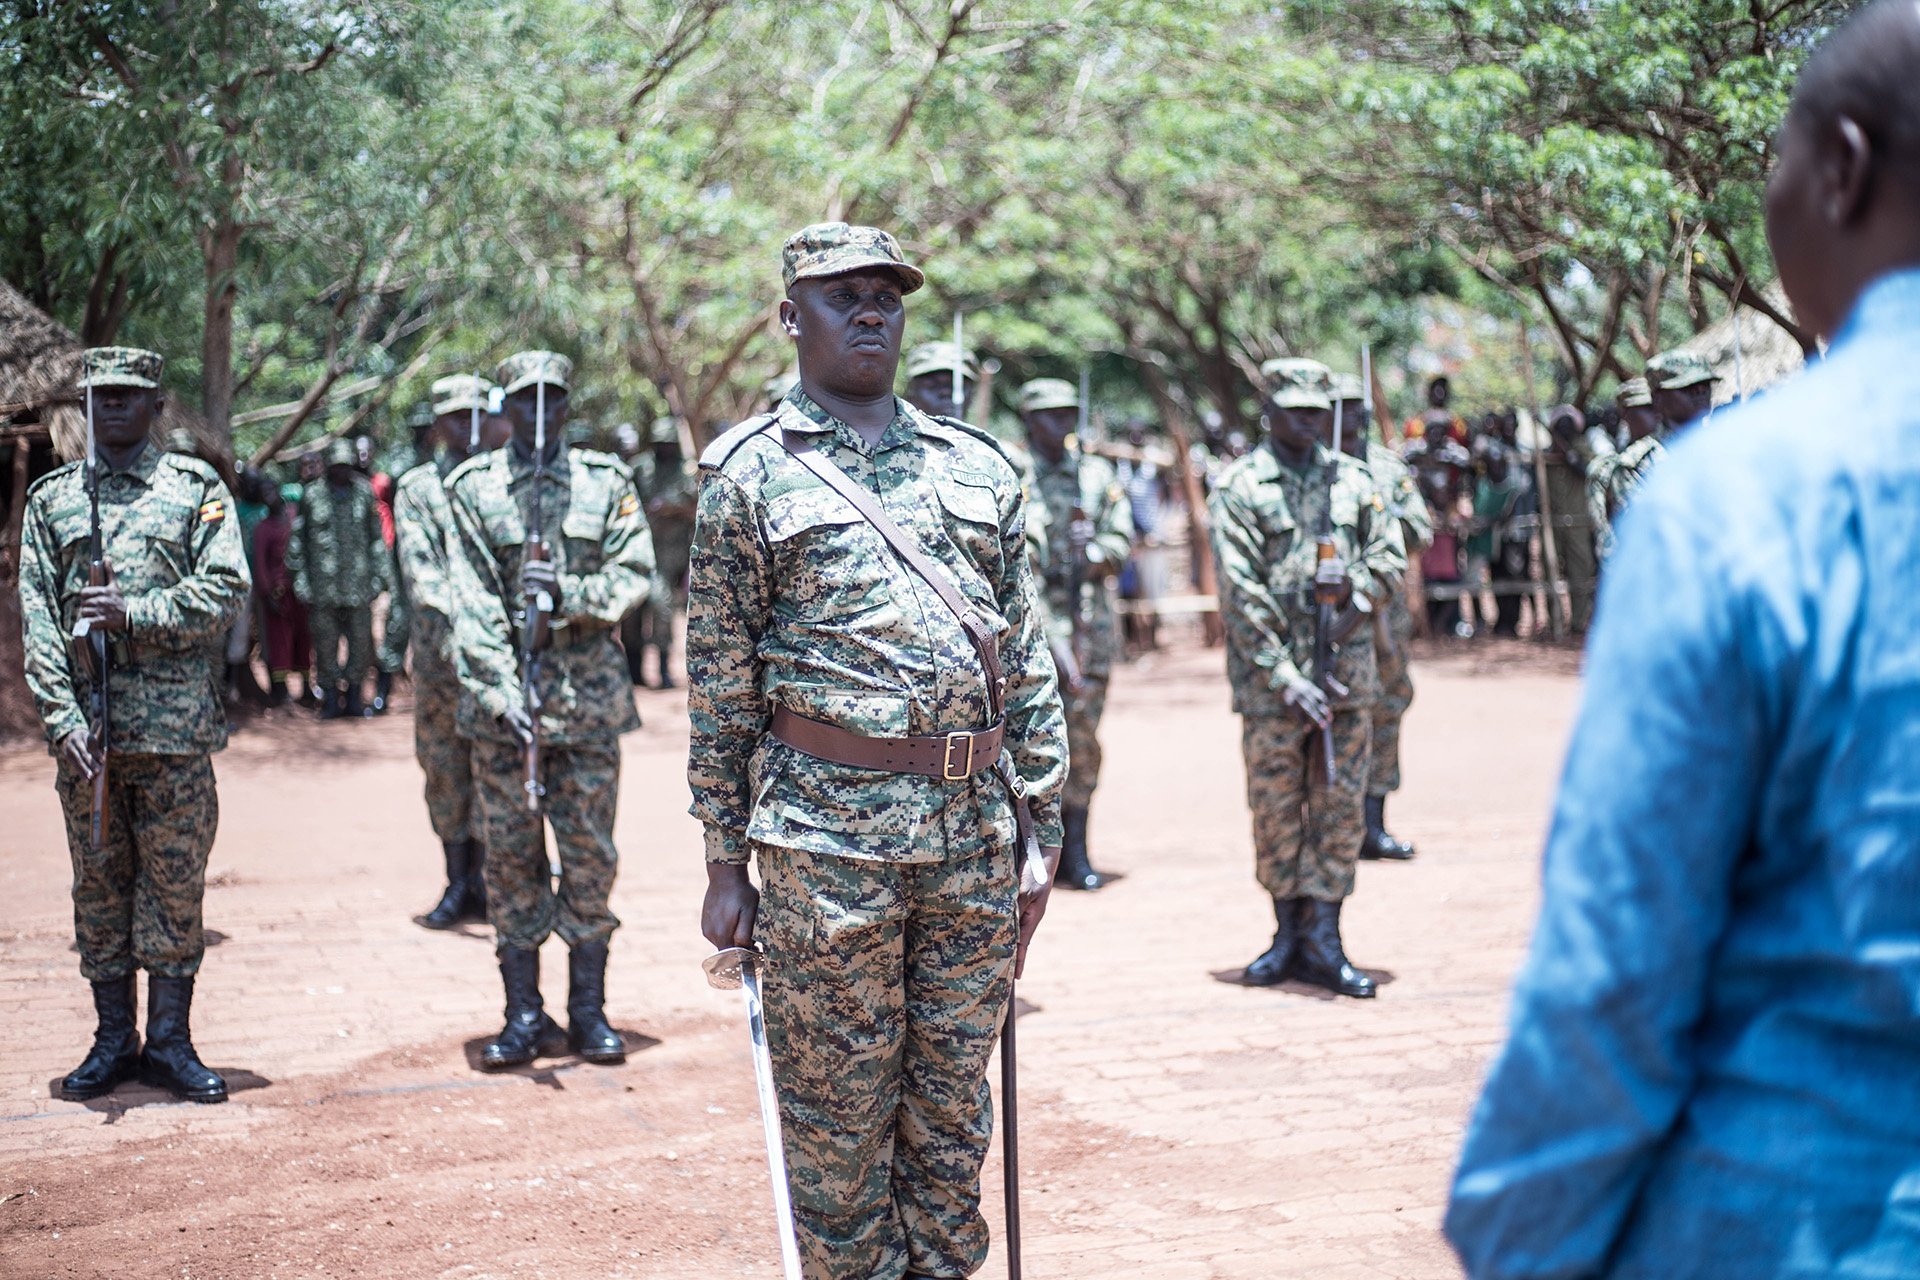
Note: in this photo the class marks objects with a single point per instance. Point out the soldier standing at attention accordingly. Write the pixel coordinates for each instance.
(1091, 523)
(340, 565)
(930, 369)
(595, 564)
(845, 739)
(667, 492)
(424, 538)
(177, 578)
(1399, 500)
(1267, 512)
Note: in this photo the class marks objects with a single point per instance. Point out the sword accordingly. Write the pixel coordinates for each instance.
(1010, 1137)
(739, 967)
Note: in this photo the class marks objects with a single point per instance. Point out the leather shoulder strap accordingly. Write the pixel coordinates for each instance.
(803, 452)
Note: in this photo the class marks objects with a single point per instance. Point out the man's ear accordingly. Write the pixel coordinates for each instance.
(1849, 172)
(789, 318)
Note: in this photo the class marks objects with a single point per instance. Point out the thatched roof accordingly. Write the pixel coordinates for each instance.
(1767, 353)
(40, 376)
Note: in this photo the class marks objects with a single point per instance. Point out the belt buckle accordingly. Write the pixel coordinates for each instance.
(946, 765)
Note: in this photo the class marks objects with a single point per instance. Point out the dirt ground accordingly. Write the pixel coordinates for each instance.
(1175, 1125)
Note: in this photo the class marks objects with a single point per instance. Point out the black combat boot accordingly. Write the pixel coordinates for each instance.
(529, 1031)
(357, 708)
(382, 692)
(170, 1062)
(277, 693)
(666, 670)
(1270, 968)
(115, 1056)
(1075, 871)
(1377, 845)
(330, 708)
(1320, 959)
(587, 1031)
(451, 908)
(474, 905)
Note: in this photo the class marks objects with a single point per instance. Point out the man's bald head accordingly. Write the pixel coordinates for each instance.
(1843, 206)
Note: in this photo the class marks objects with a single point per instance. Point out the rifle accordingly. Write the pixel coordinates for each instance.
(536, 609)
(473, 419)
(1329, 576)
(91, 642)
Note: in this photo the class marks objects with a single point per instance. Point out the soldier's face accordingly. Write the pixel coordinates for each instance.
(846, 331)
(1681, 406)
(1048, 429)
(1295, 430)
(523, 412)
(933, 393)
(123, 416)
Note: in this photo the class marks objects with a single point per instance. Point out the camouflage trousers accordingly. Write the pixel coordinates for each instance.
(1084, 710)
(445, 757)
(1393, 643)
(583, 785)
(1306, 834)
(136, 901)
(329, 623)
(395, 633)
(886, 987)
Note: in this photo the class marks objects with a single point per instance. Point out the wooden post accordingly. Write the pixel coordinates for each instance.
(1550, 553)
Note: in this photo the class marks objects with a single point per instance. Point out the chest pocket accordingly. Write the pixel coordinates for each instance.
(827, 567)
(162, 542)
(585, 533)
(971, 514)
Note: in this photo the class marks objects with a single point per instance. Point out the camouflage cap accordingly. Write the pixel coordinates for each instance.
(461, 393)
(1634, 393)
(524, 368)
(342, 453)
(1345, 386)
(121, 367)
(1298, 384)
(1048, 393)
(941, 357)
(834, 248)
(1671, 370)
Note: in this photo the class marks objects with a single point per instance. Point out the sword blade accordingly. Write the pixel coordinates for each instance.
(1010, 1136)
(770, 1121)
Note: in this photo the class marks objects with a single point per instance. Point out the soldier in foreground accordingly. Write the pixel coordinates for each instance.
(1399, 500)
(553, 551)
(845, 739)
(1270, 509)
(340, 565)
(1091, 527)
(424, 541)
(124, 674)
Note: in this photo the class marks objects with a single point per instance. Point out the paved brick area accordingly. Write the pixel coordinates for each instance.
(1177, 1126)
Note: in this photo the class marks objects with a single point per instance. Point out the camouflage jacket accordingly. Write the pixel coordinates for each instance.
(668, 497)
(602, 551)
(1089, 483)
(1265, 517)
(422, 537)
(173, 545)
(1393, 478)
(797, 601)
(339, 553)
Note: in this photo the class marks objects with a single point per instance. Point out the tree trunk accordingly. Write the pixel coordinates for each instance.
(220, 246)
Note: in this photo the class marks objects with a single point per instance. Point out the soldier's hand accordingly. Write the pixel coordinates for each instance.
(538, 577)
(77, 750)
(731, 906)
(103, 608)
(519, 723)
(1309, 701)
(1032, 907)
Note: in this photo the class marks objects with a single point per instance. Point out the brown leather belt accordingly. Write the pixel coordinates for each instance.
(952, 756)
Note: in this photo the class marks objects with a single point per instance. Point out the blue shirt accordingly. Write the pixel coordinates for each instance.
(1713, 1068)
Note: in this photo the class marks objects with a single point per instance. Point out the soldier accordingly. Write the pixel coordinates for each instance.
(1566, 463)
(1681, 387)
(177, 577)
(893, 918)
(1399, 500)
(1635, 402)
(340, 564)
(396, 629)
(424, 538)
(1091, 524)
(666, 484)
(1267, 513)
(930, 369)
(594, 562)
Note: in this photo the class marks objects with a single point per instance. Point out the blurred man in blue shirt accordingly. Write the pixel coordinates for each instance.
(1714, 1063)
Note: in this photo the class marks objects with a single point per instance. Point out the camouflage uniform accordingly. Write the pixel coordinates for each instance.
(1266, 514)
(173, 544)
(667, 494)
(340, 566)
(1393, 621)
(889, 913)
(604, 556)
(423, 536)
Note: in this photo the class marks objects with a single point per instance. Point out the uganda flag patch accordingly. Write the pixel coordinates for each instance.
(629, 506)
(213, 511)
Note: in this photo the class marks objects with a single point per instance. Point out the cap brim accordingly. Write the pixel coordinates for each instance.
(1043, 405)
(521, 383)
(458, 404)
(118, 380)
(1693, 381)
(911, 278)
(1298, 400)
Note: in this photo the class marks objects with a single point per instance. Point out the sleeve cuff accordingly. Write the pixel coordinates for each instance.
(493, 700)
(726, 846)
(60, 727)
(141, 618)
(1047, 828)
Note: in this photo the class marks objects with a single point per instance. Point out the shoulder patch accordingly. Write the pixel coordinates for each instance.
(725, 444)
(213, 511)
(628, 508)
